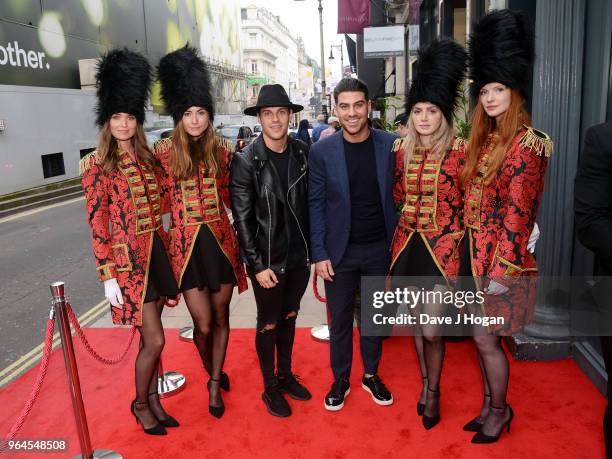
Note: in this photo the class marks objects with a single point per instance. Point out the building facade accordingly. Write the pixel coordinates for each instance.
(47, 118)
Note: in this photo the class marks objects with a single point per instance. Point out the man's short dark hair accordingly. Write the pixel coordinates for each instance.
(351, 85)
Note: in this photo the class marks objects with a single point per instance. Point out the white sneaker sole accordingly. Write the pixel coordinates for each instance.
(338, 407)
(378, 402)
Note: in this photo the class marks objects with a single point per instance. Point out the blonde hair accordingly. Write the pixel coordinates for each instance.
(188, 154)
(442, 140)
(108, 148)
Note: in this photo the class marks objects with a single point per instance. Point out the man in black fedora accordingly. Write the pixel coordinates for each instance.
(268, 188)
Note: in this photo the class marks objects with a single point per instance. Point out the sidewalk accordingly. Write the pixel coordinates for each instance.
(243, 311)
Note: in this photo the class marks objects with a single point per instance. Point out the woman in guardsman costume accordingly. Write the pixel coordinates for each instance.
(122, 192)
(203, 244)
(426, 189)
(503, 181)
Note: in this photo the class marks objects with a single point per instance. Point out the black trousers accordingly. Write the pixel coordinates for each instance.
(359, 260)
(273, 306)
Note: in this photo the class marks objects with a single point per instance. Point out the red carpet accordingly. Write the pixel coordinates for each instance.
(558, 411)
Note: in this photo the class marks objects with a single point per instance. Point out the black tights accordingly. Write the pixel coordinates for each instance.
(147, 363)
(495, 375)
(209, 311)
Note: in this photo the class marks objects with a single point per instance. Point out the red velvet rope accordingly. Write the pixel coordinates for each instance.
(315, 289)
(42, 372)
(89, 347)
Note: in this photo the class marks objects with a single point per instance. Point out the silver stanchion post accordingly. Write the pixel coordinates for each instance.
(74, 384)
(170, 382)
(186, 334)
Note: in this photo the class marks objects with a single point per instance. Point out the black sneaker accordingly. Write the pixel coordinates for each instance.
(275, 402)
(290, 385)
(377, 389)
(334, 400)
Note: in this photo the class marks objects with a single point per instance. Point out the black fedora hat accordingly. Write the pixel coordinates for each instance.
(272, 95)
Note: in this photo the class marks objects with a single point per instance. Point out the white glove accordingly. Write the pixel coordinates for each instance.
(533, 238)
(495, 288)
(112, 292)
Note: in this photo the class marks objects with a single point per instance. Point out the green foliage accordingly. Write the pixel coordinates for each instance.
(461, 118)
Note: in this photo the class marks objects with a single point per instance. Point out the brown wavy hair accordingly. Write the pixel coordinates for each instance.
(108, 149)
(482, 125)
(189, 153)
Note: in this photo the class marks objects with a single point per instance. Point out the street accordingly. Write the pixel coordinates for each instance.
(37, 250)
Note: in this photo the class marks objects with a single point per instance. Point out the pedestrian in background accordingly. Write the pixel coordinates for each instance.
(320, 127)
(503, 180)
(269, 184)
(334, 126)
(400, 122)
(302, 132)
(121, 180)
(203, 245)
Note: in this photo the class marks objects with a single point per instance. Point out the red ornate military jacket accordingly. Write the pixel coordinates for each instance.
(124, 212)
(500, 217)
(431, 204)
(197, 201)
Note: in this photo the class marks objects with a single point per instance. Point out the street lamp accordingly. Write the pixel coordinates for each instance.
(331, 56)
(323, 84)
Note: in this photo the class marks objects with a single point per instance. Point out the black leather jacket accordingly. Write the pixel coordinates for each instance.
(258, 201)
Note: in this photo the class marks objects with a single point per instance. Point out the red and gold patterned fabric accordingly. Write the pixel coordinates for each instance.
(124, 211)
(431, 204)
(499, 217)
(197, 201)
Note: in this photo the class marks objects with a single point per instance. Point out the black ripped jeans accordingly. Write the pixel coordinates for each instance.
(275, 330)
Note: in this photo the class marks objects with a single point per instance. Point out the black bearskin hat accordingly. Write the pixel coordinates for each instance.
(502, 51)
(185, 82)
(123, 78)
(440, 70)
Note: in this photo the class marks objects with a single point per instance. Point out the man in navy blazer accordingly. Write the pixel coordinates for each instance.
(352, 220)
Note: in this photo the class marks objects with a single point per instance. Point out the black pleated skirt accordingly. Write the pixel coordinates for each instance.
(466, 278)
(208, 267)
(161, 278)
(416, 261)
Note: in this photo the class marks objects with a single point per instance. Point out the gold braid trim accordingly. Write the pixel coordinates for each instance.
(458, 143)
(398, 144)
(87, 161)
(537, 141)
(224, 143)
(162, 145)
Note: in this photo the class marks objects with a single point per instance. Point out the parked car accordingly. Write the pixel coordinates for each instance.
(239, 135)
(157, 134)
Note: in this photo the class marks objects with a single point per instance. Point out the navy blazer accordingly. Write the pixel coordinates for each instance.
(329, 199)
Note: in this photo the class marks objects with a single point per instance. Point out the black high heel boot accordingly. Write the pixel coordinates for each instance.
(474, 425)
(157, 429)
(484, 438)
(167, 422)
(216, 411)
(421, 406)
(429, 422)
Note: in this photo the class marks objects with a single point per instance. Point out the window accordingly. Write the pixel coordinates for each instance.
(86, 151)
(252, 36)
(53, 165)
(253, 67)
(243, 13)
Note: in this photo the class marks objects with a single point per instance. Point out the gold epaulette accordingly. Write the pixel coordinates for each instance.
(162, 145)
(398, 144)
(537, 141)
(224, 143)
(458, 143)
(87, 161)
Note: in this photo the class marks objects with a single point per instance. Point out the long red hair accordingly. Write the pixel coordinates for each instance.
(482, 125)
